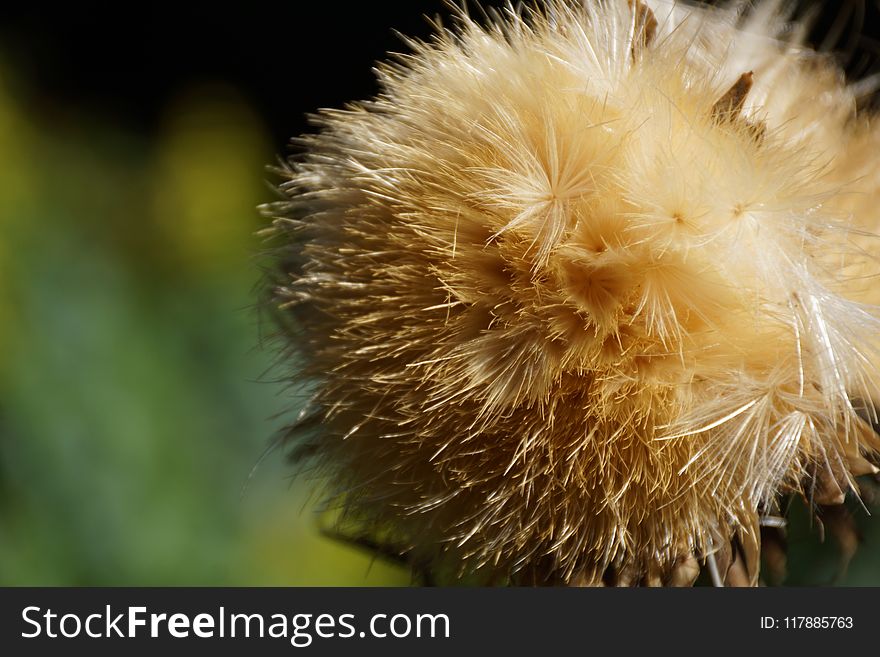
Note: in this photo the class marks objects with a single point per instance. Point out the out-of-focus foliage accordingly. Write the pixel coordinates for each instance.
(130, 409)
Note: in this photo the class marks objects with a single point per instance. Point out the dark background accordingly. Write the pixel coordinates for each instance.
(134, 397)
(129, 60)
(286, 58)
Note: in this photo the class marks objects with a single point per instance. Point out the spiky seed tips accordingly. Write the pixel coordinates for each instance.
(566, 319)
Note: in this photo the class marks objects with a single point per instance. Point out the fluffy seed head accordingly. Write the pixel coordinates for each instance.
(585, 290)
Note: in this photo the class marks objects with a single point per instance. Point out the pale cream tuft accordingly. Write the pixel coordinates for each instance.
(582, 292)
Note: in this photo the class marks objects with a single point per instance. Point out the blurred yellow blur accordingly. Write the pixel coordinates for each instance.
(16, 195)
(209, 170)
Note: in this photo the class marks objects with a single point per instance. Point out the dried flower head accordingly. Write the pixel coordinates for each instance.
(583, 292)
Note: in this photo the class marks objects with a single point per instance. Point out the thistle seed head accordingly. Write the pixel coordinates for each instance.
(582, 292)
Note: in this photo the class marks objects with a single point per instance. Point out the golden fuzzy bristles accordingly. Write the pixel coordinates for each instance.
(583, 291)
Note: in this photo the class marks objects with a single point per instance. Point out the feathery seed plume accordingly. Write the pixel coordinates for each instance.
(583, 292)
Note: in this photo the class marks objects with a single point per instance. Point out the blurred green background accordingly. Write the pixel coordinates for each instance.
(131, 404)
(135, 399)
